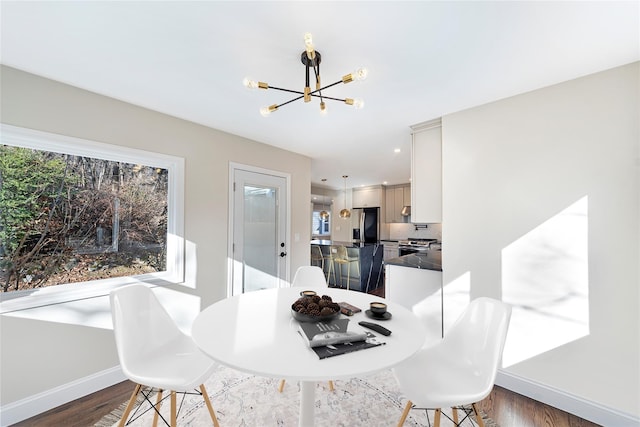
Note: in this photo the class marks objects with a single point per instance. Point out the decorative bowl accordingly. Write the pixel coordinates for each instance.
(314, 304)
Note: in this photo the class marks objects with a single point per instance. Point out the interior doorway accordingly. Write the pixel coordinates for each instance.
(258, 242)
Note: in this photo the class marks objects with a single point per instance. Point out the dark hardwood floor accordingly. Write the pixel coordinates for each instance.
(508, 409)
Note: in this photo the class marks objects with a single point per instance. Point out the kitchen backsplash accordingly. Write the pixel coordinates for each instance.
(404, 231)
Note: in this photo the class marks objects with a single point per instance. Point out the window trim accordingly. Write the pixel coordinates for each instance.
(29, 138)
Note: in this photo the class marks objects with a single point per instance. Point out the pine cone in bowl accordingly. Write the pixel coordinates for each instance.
(315, 309)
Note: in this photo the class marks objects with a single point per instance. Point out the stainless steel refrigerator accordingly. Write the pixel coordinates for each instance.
(368, 225)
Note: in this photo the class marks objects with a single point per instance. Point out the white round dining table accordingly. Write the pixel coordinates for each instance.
(256, 333)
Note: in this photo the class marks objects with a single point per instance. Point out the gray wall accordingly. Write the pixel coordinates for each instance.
(509, 166)
(37, 355)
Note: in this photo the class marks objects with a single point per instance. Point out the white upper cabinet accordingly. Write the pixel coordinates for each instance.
(367, 197)
(426, 173)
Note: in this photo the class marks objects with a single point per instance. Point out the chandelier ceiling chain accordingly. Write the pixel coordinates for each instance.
(311, 59)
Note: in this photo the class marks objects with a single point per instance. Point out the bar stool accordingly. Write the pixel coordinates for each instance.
(341, 257)
(317, 258)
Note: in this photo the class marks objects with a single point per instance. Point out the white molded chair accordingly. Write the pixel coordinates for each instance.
(154, 352)
(461, 369)
(308, 277)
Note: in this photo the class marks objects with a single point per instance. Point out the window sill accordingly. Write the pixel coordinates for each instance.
(34, 298)
(95, 311)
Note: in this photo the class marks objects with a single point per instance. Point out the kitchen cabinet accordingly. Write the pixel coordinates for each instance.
(396, 198)
(419, 290)
(408, 286)
(426, 173)
(368, 197)
(390, 250)
(406, 191)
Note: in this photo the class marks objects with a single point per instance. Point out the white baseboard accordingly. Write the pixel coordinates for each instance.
(33, 405)
(567, 402)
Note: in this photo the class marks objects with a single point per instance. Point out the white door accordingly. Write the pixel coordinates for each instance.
(258, 231)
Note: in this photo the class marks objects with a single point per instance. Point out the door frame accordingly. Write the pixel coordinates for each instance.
(233, 167)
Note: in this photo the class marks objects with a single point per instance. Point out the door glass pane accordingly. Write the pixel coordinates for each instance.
(260, 238)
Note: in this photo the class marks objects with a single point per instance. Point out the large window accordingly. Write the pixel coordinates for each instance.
(78, 218)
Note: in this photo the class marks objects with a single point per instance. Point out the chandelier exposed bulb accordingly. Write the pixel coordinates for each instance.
(308, 44)
(358, 75)
(265, 111)
(323, 108)
(361, 73)
(252, 84)
(249, 84)
(357, 103)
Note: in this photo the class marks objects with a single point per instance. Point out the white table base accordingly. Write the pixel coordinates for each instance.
(307, 403)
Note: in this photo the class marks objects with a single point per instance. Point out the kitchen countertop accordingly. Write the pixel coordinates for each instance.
(339, 243)
(428, 260)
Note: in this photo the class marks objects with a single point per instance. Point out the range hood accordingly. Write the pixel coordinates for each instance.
(406, 211)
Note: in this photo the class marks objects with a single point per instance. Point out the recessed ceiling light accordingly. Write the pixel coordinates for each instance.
(397, 150)
(385, 182)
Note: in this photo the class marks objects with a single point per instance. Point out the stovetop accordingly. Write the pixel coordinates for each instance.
(416, 242)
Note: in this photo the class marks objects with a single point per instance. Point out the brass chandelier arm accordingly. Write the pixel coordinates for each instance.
(290, 101)
(302, 93)
(313, 93)
(286, 90)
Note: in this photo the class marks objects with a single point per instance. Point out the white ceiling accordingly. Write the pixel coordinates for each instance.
(425, 60)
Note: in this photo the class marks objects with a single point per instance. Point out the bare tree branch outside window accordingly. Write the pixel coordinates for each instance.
(67, 219)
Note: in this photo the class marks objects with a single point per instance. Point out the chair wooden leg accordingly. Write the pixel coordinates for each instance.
(454, 412)
(405, 413)
(205, 396)
(129, 407)
(174, 422)
(281, 386)
(436, 418)
(158, 405)
(331, 386)
(478, 416)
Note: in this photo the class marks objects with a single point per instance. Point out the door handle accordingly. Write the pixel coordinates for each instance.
(283, 254)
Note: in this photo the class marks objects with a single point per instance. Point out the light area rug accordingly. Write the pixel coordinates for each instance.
(244, 400)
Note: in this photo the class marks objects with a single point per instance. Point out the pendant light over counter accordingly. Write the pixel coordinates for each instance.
(345, 213)
(324, 215)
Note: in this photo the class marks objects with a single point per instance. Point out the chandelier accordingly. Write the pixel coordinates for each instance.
(311, 59)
